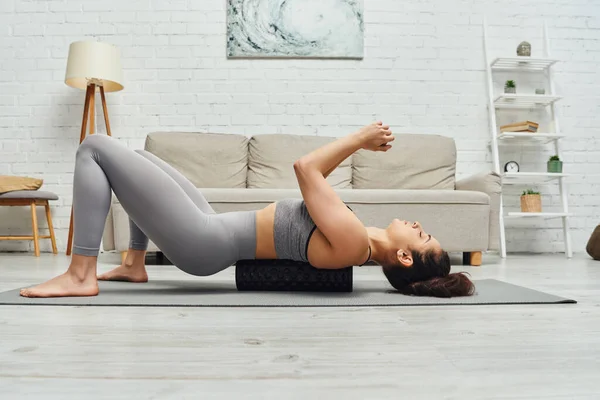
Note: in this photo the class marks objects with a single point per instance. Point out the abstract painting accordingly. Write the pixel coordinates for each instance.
(295, 28)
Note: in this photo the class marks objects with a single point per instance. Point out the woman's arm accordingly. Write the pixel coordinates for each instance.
(327, 158)
(342, 229)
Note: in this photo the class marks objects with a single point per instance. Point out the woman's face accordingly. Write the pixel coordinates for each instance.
(406, 235)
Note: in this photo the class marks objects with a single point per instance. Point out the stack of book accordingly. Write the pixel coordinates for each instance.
(524, 126)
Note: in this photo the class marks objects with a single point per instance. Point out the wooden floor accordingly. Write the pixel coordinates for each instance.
(545, 352)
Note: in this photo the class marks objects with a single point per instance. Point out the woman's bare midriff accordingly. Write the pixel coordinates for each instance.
(265, 240)
(318, 247)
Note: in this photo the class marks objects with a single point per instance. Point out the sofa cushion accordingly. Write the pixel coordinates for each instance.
(208, 160)
(413, 162)
(271, 161)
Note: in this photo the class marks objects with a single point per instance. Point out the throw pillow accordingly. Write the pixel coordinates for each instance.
(13, 183)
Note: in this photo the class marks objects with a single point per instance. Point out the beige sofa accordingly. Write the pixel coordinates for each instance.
(415, 180)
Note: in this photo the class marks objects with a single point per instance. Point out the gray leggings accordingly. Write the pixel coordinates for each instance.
(162, 205)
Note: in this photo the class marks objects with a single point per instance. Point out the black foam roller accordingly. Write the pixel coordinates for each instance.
(290, 276)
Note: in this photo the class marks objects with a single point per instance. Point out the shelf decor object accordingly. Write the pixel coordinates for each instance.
(510, 87)
(524, 49)
(92, 66)
(527, 134)
(531, 201)
(512, 167)
(555, 164)
(524, 126)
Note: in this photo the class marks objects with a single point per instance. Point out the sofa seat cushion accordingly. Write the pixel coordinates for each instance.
(372, 196)
(271, 160)
(413, 162)
(206, 159)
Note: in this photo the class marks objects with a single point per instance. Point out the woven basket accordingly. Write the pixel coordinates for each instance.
(531, 203)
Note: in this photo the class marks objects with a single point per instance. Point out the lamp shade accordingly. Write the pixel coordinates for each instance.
(94, 62)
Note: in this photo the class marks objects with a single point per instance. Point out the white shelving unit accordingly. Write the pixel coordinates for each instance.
(524, 100)
(527, 139)
(523, 65)
(545, 215)
(520, 178)
(498, 139)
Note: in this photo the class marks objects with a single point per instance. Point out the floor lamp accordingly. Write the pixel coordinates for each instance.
(92, 66)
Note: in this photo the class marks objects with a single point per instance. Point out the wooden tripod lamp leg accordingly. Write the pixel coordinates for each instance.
(86, 108)
(105, 110)
(93, 110)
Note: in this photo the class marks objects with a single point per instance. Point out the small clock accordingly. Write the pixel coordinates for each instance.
(511, 166)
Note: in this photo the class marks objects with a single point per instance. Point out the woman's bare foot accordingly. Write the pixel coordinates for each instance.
(126, 274)
(131, 270)
(79, 280)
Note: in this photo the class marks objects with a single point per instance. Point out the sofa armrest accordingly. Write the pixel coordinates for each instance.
(489, 183)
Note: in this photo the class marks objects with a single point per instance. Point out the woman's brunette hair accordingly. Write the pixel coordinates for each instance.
(429, 276)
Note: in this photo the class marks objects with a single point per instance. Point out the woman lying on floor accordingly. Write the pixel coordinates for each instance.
(166, 207)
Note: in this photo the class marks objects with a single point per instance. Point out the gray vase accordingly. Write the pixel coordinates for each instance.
(524, 49)
(510, 90)
(540, 91)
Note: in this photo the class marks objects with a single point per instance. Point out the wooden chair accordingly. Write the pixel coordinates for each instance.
(32, 198)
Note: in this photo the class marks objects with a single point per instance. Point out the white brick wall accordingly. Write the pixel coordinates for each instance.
(423, 72)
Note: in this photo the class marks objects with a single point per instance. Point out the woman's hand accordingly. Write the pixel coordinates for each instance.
(375, 137)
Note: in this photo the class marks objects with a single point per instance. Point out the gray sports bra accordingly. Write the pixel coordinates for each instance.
(293, 228)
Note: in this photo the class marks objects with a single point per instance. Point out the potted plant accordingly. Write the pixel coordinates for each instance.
(555, 164)
(510, 87)
(531, 201)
